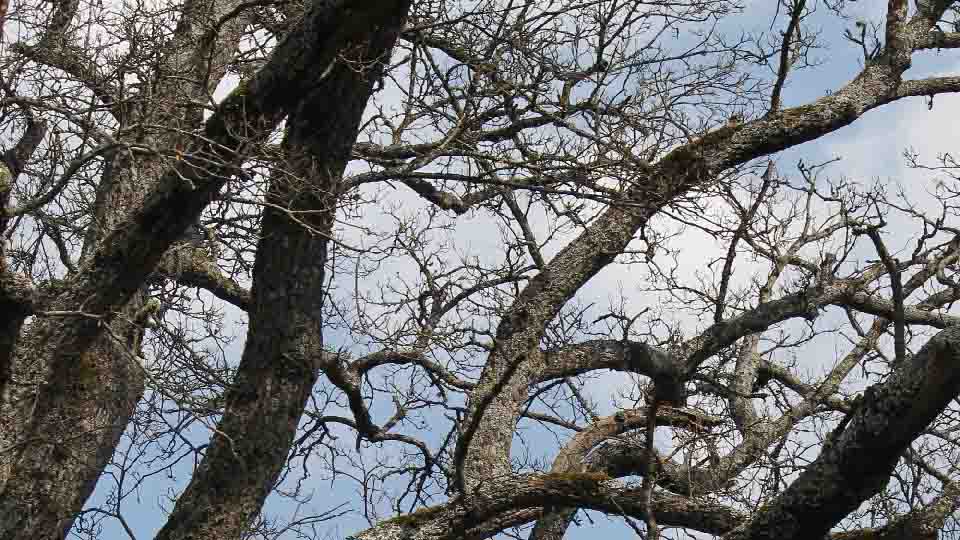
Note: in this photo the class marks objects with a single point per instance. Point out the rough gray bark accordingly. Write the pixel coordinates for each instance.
(48, 477)
(69, 380)
(285, 339)
(511, 367)
(834, 484)
(89, 383)
(889, 419)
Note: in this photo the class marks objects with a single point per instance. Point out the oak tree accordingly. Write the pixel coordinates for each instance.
(403, 206)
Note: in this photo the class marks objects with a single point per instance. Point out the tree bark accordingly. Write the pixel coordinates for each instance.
(284, 342)
(856, 463)
(44, 484)
(484, 448)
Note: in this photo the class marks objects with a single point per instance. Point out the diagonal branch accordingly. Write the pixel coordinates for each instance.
(891, 416)
(130, 253)
(277, 370)
(511, 366)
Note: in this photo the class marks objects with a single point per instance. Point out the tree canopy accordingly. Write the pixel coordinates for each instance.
(465, 269)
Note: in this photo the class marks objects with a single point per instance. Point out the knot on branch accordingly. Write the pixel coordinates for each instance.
(663, 368)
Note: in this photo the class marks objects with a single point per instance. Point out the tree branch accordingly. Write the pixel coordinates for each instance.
(130, 253)
(883, 427)
(194, 268)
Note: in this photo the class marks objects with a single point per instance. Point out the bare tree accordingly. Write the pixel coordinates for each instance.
(405, 202)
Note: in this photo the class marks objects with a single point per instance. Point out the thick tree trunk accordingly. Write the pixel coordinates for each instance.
(60, 422)
(116, 269)
(284, 338)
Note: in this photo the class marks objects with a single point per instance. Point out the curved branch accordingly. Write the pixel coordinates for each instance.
(499, 394)
(391, 357)
(507, 496)
(578, 456)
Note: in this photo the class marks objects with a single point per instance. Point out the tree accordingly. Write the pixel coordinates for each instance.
(167, 160)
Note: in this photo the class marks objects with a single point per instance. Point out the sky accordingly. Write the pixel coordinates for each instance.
(871, 149)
